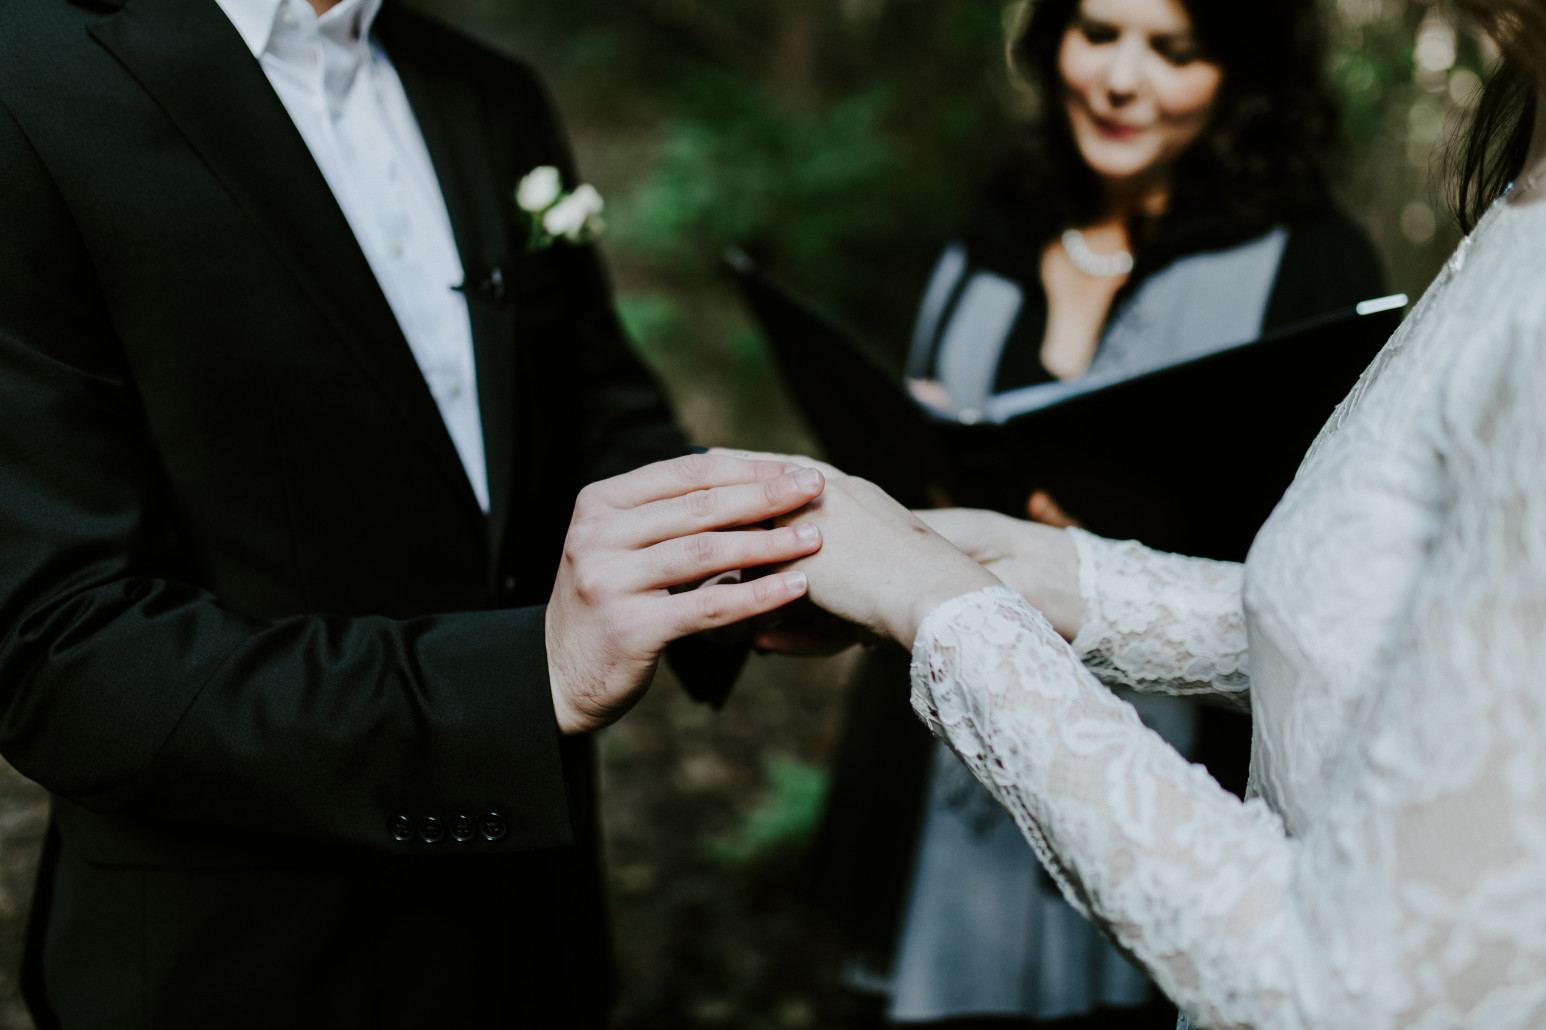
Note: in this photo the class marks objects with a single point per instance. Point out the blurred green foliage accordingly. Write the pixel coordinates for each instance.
(838, 140)
(835, 141)
(787, 814)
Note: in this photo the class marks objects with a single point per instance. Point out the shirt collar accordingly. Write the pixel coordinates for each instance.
(255, 19)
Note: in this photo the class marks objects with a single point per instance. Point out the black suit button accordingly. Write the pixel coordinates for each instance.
(509, 584)
(404, 830)
(464, 828)
(431, 830)
(493, 827)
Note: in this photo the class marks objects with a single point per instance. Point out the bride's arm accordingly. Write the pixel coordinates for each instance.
(1414, 895)
(1161, 622)
(1137, 617)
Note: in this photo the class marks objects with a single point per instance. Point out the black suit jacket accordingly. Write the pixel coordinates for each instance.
(255, 626)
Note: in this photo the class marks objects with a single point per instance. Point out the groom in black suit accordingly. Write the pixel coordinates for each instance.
(298, 673)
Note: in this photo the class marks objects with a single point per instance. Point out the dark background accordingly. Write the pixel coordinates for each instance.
(837, 140)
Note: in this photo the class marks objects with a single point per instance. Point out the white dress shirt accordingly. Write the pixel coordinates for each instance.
(347, 102)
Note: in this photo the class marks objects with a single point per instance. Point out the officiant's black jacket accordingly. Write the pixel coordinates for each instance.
(285, 680)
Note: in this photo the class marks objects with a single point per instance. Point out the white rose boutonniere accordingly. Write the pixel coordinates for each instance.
(539, 190)
(573, 217)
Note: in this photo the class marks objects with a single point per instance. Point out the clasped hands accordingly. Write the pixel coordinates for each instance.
(637, 539)
(882, 568)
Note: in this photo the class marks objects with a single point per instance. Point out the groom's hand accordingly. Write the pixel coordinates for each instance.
(632, 539)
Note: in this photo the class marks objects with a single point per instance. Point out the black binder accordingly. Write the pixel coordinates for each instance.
(1188, 457)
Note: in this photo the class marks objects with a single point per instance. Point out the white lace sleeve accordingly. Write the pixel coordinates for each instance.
(1413, 894)
(1161, 622)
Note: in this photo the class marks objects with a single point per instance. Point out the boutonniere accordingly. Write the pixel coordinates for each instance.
(573, 217)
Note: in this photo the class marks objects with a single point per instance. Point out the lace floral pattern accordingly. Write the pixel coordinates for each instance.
(1391, 870)
(1127, 641)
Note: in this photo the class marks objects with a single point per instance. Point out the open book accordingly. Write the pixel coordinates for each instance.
(1189, 457)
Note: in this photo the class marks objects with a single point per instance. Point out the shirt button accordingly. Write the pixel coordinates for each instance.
(453, 385)
(395, 246)
(336, 107)
(286, 16)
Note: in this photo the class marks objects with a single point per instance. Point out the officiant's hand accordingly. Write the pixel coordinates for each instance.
(932, 394)
(633, 538)
(1036, 561)
(1043, 507)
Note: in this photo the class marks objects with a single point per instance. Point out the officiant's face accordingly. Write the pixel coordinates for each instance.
(1139, 88)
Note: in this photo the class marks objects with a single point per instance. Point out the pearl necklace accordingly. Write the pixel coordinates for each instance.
(1102, 266)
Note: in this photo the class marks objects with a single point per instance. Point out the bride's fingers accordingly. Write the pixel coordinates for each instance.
(810, 639)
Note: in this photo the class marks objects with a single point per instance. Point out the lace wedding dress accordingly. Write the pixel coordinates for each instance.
(1388, 632)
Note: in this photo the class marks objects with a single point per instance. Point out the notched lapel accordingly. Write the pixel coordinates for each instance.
(190, 59)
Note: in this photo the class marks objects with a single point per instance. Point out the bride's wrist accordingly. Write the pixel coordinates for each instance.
(963, 578)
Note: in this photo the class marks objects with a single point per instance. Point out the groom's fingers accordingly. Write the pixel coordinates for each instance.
(598, 530)
(800, 460)
(673, 478)
(690, 559)
(722, 605)
(723, 507)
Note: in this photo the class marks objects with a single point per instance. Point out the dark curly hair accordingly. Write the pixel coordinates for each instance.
(1264, 153)
(1494, 151)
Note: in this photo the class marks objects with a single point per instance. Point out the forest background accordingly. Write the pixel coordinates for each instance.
(838, 141)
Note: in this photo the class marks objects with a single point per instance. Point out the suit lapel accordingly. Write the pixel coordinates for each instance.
(190, 59)
(451, 117)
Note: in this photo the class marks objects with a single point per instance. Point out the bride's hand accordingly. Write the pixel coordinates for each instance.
(879, 566)
(1036, 561)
